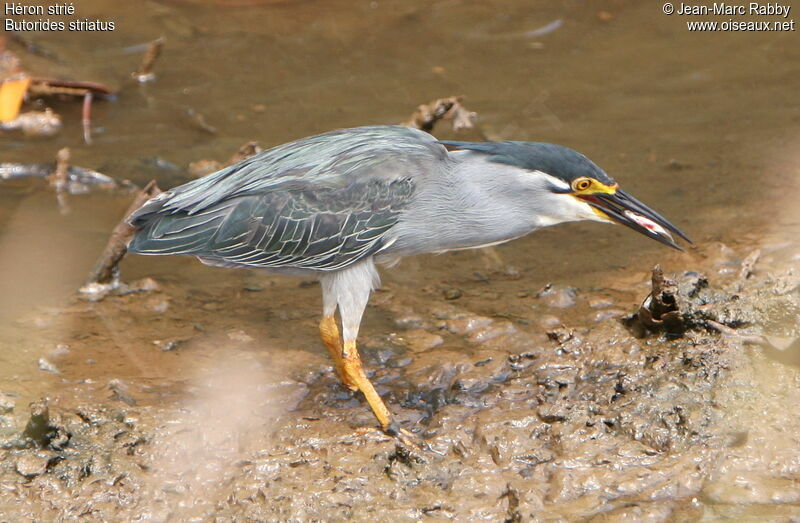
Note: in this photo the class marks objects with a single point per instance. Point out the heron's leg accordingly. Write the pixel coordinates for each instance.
(329, 332)
(349, 290)
(355, 372)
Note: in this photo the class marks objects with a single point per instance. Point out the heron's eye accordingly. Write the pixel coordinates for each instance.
(581, 184)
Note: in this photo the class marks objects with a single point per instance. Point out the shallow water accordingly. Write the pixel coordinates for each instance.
(702, 126)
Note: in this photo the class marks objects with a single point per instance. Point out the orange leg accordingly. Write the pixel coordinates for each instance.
(355, 372)
(329, 332)
(351, 372)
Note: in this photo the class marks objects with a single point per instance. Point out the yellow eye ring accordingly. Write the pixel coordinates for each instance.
(581, 184)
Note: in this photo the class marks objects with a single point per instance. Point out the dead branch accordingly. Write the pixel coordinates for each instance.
(199, 121)
(54, 87)
(75, 175)
(106, 268)
(747, 266)
(660, 309)
(145, 71)
(426, 115)
(245, 151)
(59, 177)
(204, 167)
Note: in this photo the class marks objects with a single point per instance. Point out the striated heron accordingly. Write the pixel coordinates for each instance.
(333, 205)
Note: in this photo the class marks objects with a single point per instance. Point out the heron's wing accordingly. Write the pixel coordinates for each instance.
(320, 230)
(328, 159)
(289, 218)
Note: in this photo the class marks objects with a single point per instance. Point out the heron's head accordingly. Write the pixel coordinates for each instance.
(575, 188)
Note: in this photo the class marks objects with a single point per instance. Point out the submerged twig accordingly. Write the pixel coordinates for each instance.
(747, 266)
(199, 121)
(145, 71)
(87, 118)
(729, 332)
(426, 115)
(104, 275)
(60, 179)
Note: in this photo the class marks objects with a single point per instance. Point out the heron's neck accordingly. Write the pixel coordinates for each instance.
(471, 205)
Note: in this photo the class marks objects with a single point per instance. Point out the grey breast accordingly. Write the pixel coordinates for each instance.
(320, 203)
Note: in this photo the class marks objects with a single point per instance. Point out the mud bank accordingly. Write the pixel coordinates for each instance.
(568, 412)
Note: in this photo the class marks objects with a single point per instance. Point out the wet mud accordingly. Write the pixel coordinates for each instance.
(587, 417)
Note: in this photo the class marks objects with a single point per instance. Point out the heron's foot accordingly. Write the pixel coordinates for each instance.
(405, 438)
(408, 439)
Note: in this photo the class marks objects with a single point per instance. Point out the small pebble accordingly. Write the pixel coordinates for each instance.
(600, 303)
(121, 391)
(7, 404)
(145, 284)
(608, 314)
(240, 336)
(452, 293)
(47, 366)
(60, 350)
(409, 320)
(157, 304)
(557, 296)
(30, 465)
(419, 340)
(166, 345)
(468, 324)
(491, 332)
(549, 321)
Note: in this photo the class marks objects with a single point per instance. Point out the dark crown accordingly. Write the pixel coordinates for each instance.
(555, 160)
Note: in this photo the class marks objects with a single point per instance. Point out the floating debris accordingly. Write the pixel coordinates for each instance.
(12, 94)
(204, 167)
(426, 115)
(34, 123)
(199, 121)
(145, 72)
(78, 178)
(16, 85)
(534, 33)
(13, 85)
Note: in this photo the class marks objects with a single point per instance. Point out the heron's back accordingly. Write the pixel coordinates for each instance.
(320, 203)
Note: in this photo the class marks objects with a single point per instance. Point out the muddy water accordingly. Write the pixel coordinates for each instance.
(212, 393)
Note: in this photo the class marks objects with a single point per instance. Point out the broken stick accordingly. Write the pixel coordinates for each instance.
(145, 72)
(106, 269)
(449, 108)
